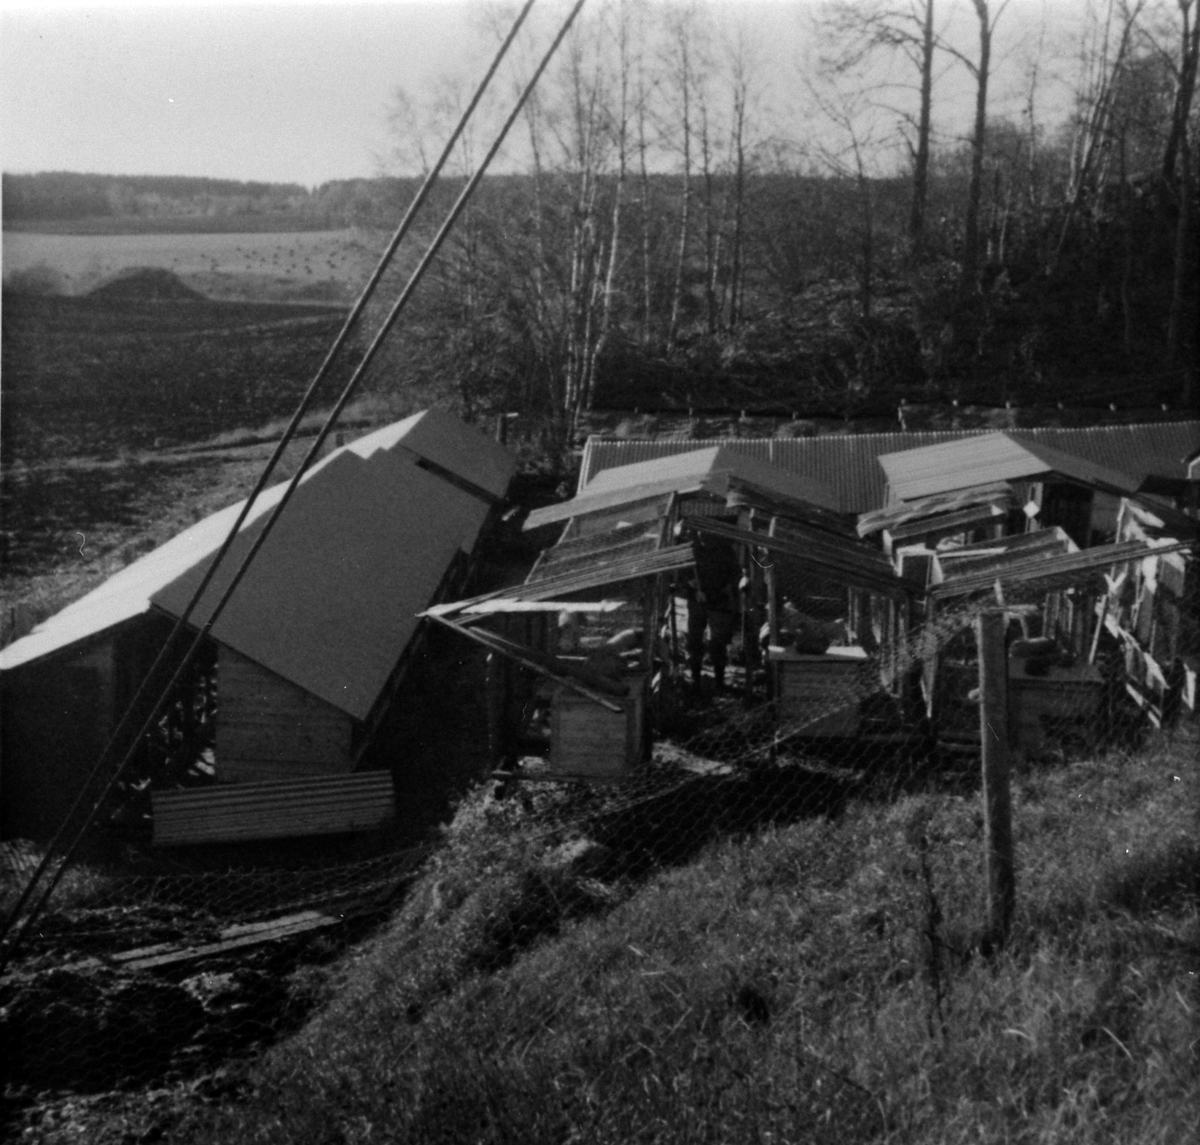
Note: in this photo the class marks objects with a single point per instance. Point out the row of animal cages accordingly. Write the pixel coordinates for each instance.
(1077, 680)
(580, 689)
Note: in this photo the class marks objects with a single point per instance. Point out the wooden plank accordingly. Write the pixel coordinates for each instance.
(994, 560)
(864, 568)
(599, 689)
(891, 516)
(275, 931)
(999, 865)
(1067, 567)
(268, 728)
(671, 559)
(946, 524)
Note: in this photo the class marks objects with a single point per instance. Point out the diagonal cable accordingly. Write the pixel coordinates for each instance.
(339, 342)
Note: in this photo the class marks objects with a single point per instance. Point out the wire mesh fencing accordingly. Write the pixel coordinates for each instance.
(149, 968)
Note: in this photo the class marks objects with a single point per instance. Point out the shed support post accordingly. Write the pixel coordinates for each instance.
(997, 805)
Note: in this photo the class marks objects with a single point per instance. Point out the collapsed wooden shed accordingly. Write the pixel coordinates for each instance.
(1083, 601)
(630, 543)
(309, 650)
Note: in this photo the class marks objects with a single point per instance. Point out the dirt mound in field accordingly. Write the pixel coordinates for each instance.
(147, 284)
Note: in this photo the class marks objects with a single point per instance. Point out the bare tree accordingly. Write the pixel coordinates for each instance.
(1185, 87)
(859, 29)
(1177, 173)
(981, 70)
(846, 111)
(1105, 57)
(681, 81)
(741, 66)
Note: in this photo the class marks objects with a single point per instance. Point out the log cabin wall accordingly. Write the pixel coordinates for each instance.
(267, 728)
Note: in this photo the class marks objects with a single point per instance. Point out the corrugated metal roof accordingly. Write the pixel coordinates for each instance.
(709, 468)
(950, 465)
(330, 598)
(848, 463)
(699, 464)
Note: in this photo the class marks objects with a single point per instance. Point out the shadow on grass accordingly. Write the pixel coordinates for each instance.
(622, 847)
(671, 828)
(1164, 881)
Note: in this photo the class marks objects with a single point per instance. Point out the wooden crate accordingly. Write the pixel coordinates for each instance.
(820, 693)
(588, 741)
(1064, 703)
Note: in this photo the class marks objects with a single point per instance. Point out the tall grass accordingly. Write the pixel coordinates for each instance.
(790, 987)
(819, 982)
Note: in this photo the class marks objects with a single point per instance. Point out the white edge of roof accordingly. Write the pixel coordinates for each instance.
(127, 593)
(1190, 462)
(1045, 458)
(697, 464)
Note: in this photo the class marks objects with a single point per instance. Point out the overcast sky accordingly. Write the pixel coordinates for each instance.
(296, 90)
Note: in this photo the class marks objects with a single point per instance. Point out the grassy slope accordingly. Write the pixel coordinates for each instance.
(796, 985)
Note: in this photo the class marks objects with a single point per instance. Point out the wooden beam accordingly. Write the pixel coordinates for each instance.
(997, 804)
(577, 679)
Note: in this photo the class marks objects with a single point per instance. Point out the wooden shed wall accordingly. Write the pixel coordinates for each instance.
(55, 720)
(56, 715)
(267, 728)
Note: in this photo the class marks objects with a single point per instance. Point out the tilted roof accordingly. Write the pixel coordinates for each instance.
(707, 470)
(848, 464)
(331, 598)
(970, 462)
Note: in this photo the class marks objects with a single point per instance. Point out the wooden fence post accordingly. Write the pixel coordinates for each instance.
(997, 805)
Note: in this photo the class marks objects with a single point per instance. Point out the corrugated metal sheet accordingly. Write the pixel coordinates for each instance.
(247, 811)
(848, 463)
(709, 470)
(950, 465)
(700, 464)
(334, 547)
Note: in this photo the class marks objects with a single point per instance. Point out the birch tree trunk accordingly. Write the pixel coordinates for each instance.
(970, 262)
(920, 189)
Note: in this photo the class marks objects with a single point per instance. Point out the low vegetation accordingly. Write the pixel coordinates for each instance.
(817, 982)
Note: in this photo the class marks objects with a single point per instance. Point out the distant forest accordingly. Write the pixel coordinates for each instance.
(664, 249)
(67, 195)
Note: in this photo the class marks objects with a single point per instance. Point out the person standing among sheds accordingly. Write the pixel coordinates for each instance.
(712, 595)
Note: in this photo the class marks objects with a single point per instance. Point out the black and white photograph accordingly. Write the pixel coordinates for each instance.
(579, 572)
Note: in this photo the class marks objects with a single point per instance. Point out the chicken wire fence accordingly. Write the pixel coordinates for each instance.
(152, 969)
